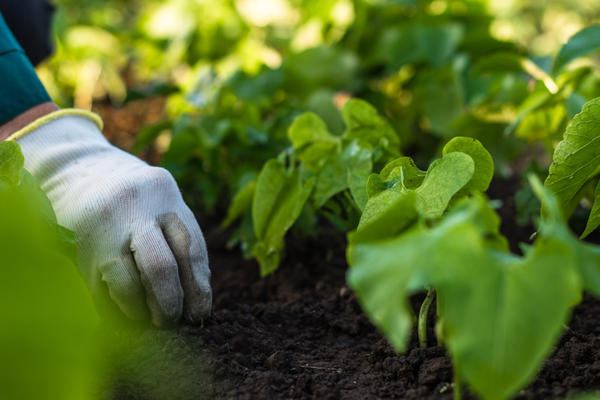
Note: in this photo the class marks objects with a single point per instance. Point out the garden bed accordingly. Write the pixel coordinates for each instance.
(301, 334)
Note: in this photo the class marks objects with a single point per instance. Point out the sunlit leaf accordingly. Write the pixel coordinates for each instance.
(577, 157)
(581, 44)
(484, 165)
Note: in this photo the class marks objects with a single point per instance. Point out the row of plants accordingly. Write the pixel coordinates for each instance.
(498, 314)
(333, 171)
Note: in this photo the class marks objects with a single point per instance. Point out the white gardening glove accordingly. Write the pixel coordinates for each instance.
(134, 234)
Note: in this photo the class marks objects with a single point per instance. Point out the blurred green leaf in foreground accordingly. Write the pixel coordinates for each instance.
(46, 311)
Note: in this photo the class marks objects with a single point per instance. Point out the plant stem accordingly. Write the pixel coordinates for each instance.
(457, 387)
(423, 314)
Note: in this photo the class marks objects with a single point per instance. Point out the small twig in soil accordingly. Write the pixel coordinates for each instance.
(305, 364)
(240, 365)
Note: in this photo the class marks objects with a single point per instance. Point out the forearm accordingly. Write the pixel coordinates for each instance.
(23, 98)
(25, 118)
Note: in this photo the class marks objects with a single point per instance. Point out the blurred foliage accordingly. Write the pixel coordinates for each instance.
(48, 319)
(541, 26)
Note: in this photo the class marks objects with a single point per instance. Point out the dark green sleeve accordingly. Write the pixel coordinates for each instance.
(20, 88)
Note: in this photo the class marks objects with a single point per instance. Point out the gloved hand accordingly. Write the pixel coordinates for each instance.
(138, 243)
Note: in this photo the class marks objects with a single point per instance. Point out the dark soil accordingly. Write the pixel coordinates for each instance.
(301, 334)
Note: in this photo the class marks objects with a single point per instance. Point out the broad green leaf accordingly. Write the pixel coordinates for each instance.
(376, 185)
(553, 225)
(594, 219)
(360, 165)
(401, 44)
(581, 44)
(255, 88)
(510, 62)
(378, 203)
(588, 264)
(400, 173)
(405, 170)
(322, 67)
(268, 256)
(278, 200)
(47, 312)
(500, 63)
(392, 206)
(331, 180)
(312, 141)
(364, 124)
(396, 202)
(545, 122)
(321, 102)
(357, 182)
(574, 104)
(445, 177)
(348, 169)
(439, 97)
(502, 318)
(28, 184)
(11, 162)
(385, 216)
(577, 157)
(14, 176)
(484, 165)
(437, 43)
(241, 204)
(395, 47)
(383, 284)
(307, 129)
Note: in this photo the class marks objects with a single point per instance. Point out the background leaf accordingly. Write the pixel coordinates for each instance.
(241, 203)
(278, 199)
(364, 123)
(584, 42)
(577, 156)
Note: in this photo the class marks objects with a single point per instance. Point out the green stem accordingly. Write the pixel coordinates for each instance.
(457, 387)
(423, 314)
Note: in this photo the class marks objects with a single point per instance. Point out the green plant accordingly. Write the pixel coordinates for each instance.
(329, 171)
(495, 311)
(401, 197)
(498, 314)
(47, 312)
(575, 167)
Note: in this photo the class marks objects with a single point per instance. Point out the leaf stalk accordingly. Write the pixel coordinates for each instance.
(423, 314)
